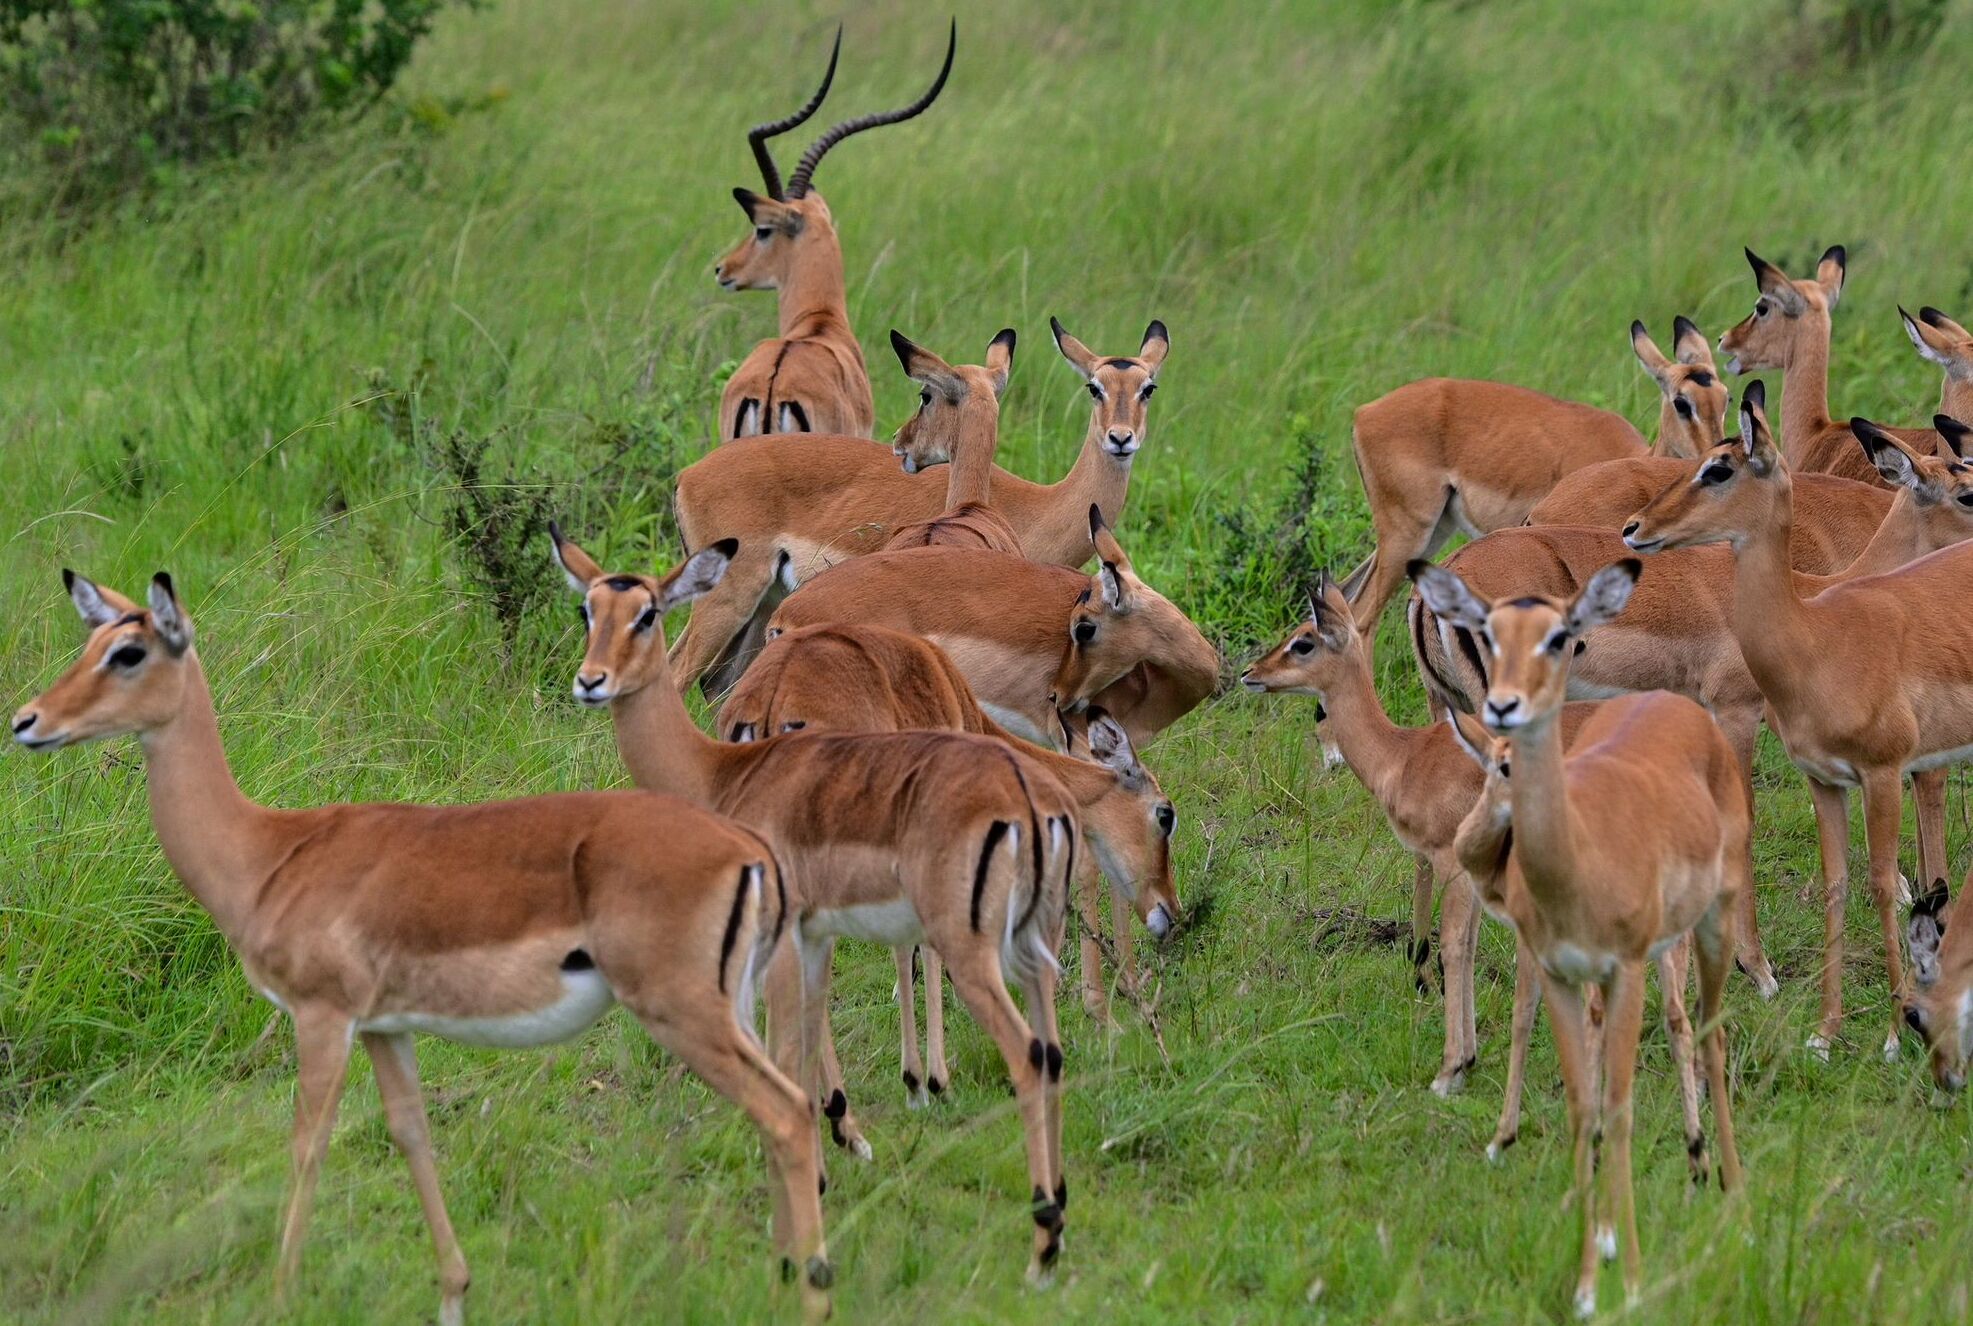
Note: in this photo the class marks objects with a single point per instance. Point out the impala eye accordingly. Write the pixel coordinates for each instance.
(1717, 472)
(1145, 394)
(1095, 392)
(1167, 819)
(763, 233)
(1683, 406)
(1085, 631)
(1555, 642)
(1301, 644)
(645, 620)
(1965, 499)
(129, 656)
(924, 395)
(1760, 308)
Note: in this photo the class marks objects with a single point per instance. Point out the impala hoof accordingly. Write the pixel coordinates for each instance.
(1606, 1243)
(1905, 894)
(860, 1148)
(1892, 1047)
(1818, 1045)
(1498, 1147)
(1585, 1304)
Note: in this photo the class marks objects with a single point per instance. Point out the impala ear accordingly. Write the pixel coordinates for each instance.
(1925, 932)
(922, 366)
(173, 627)
(1000, 360)
(1116, 592)
(748, 200)
(1109, 744)
(1829, 272)
(1330, 611)
(1953, 432)
(1602, 597)
(1690, 344)
(1774, 283)
(1447, 595)
(98, 606)
(1755, 436)
(1888, 456)
(578, 566)
(1157, 344)
(1471, 737)
(700, 573)
(1648, 353)
(1079, 355)
(1105, 541)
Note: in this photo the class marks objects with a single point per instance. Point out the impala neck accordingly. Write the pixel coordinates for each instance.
(1061, 525)
(1544, 826)
(216, 840)
(1770, 619)
(1805, 394)
(813, 297)
(971, 479)
(1371, 744)
(1898, 538)
(1956, 397)
(662, 747)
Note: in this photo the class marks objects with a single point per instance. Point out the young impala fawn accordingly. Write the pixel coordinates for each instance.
(809, 378)
(798, 511)
(847, 677)
(1032, 640)
(1635, 838)
(1678, 634)
(1442, 456)
(1789, 331)
(1941, 1009)
(896, 838)
(1865, 679)
(509, 924)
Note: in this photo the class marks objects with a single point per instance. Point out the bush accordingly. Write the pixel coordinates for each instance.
(113, 93)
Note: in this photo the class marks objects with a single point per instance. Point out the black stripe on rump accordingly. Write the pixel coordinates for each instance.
(995, 832)
(749, 878)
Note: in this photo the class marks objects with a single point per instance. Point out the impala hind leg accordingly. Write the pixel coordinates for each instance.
(1832, 826)
(915, 1097)
(1527, 996)
(1407, 525)
(322, 1039)
(721, 619)
(1567, 1015)
(819, 1043)
(1095, 995)
(1623, 1024)
(1710, 946)
(1038, 987)
(1421, 923)
(1459, 928)
(1883, 815)
(1928, 795)
(1673, 965)
(709, 1041)
(1742, 726)
(394, 1061)
(938, 1075)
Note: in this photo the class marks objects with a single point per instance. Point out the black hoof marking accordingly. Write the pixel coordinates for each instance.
(1035, 1053)
(838, 1104)
(837, 1134)
(1507, 1141)
(821, 1185)
(1051, 1253)
(1054, 1063)
(937, 1087)
(1696, 1146)
(821, 1273)
(787, 1270)
(1472, 1061)
(910, 1081)
(1062, 1193)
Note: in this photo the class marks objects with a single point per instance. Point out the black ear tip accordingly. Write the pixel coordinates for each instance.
(68, 579)
(1416, 567)
(1754, 393)
(1837, 254)
(727, 548)
(1632, 566)
(1636, 328)
(899, 342)
(745, 197)
(1930, 316)
(1156, 332)
(1005, 336)
(1055, 326)
(555, 532)
(1684, 326)
(163, 581)
(1945, 423)
(1753, 259)
(1095, 519)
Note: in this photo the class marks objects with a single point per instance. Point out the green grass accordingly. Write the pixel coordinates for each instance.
(241, 382)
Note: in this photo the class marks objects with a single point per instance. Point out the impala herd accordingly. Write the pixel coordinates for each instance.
(928, 718)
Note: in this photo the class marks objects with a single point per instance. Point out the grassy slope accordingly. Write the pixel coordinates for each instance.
(1321, 205)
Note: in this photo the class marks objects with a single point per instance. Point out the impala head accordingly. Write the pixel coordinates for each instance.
(1117, 623)
(1120, 388)
(1785, 312)
(1693, 416)
(793, 222)
(1942, 1009)
(1941, 341)
(1322, 650)
(1532, 638)
(130, 678)
(1129, 828)
(954, 401)
(624, 616)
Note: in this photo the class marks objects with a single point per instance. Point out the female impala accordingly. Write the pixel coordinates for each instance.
(1941, 1010)
(1866, 680)
(1032, 640)
(1789, 331)
(511, 923)
(843, 677)
(798, 511)
(1637, 837)
(811, 377)
(1442, 456)
(895, 837)
(968, 521)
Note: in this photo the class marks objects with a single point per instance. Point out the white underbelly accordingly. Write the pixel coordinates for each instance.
(893, 924)
(1577, 966)
(586, 996)
(1017, 723)
(1940, 759)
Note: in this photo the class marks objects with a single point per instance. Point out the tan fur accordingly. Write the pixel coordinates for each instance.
(1443, 455)
(849, 678)
(798, 512)
(1032, 640)
(1941, 1008)
(1638, 836)
(898, 821)
(375, 920)
(1864, 680)
(925, 440)
(1789, 331)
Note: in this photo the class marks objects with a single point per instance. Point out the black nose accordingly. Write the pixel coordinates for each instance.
(1121, 436)
(589, 683)
(1630, 529)
(23, 724)
(1501, 710)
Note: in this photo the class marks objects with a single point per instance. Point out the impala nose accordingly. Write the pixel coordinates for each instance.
(1630, 531)
(1158, 922)
(1501, 713)
(23, 721)
(589, 686)
(1248, 680)
(1123, 441)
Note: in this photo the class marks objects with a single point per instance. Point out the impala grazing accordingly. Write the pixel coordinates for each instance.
(896, 837)
(1865, 680)
(798, 511)
(810, 378)
(1941, 1010)
(1445, 456)
(1637, 837)
(511, 923)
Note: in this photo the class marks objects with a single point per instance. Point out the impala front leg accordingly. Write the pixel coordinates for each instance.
(322, 1040)
(394, 1061)
(1832, 824)
(1883, 815)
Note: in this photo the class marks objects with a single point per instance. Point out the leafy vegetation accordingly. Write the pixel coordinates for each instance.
(252, 383)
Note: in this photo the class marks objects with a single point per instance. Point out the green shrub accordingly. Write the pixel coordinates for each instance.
(115, 93)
